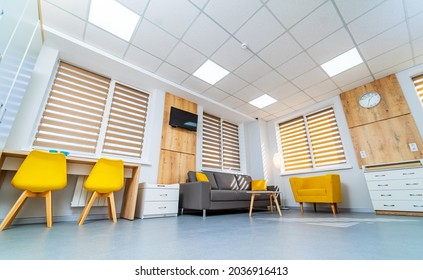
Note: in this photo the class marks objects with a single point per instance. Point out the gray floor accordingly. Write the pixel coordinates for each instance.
(315, 236)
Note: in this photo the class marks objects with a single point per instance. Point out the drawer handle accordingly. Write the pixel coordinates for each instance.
(386, 195)
(162, 207)
(383, 185)
(381, 175)
(409, 173)
(420, 206)
(416, 194)
(412, 184)
(160, 186)
(163, 194)
(389, 205)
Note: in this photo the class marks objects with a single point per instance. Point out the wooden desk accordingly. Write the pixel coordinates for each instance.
(12, 160)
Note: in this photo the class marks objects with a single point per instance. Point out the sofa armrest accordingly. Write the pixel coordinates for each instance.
(195, 195)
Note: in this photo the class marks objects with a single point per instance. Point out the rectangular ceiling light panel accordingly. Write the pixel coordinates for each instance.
(113, 17)
(263, 101)
(342, 62)
(210, 72)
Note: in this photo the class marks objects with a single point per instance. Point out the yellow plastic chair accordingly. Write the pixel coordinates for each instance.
(105, 178)
(40, 174)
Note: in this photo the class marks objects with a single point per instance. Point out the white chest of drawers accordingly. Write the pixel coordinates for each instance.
(157, 200)
(396, 188)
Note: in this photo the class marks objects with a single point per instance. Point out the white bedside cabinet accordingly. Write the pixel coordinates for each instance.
(157, 200)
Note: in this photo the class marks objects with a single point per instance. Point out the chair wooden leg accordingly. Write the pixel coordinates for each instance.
(112, 207)
(333, 207)
(87, 208)
(7, 221)
(271, 204)
(336, 208)
(252, 203)
(277, 204)
(302, 208)
(49, 212)
(314, 206)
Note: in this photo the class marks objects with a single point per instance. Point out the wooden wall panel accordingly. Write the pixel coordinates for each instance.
(178, 146)
(387, 141)
(178, 139)
(392, 104)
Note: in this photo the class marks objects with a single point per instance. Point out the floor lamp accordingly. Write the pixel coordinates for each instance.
(277, 162)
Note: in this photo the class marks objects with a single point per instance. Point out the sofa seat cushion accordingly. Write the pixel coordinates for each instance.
(243, 195)
(312, 192)
(226, 181)
(223, 195)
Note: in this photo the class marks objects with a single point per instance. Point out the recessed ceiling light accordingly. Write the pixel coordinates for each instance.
(210, 72)
(262, 101)
(342, 62)
(113, 17)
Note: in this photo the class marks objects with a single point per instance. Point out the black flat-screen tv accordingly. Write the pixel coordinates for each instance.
(183, 119)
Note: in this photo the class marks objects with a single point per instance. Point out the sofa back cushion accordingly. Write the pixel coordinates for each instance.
(193, 178)
(226, 181)
(244, 182)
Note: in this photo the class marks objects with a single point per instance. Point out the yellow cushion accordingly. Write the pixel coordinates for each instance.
(201, 177)
(258, 185)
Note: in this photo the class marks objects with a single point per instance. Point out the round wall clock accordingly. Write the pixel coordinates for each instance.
(369, 99)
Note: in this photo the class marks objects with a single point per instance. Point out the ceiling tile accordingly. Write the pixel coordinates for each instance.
(223, 12)
(413, 7)
(195, 84)
(310, 78)
(136, 6)
(215, 94)
(281, 50)
(376, 21)
(260, 114)
(105, 41)
(154, 40)
(315, 27)
(303, 104)
(394, 69)
(260, 30)
(284, 112)
(335, 44)
(62, 21)
(232, 102)
(78, 8)
(416, 24)
(199, 3)
(270, 81)
(142, 59)
(327, 95)
(291, 12)
(357, 84)
(391, 58)
(296, 66)
(351, 75)
(186, 58)
(230, 56)
(384, 42)
(247, 108)
(275, 107)
(173, 16)
(351, 10)
(284, 91)
(252, 69)
(248, 93)
(205, 35)
(172, 73)
(231, 83)
(419, 59)
(418, 46)
(321, 88)
(296, 99)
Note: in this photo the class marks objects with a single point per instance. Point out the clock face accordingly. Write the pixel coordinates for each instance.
(369, 99)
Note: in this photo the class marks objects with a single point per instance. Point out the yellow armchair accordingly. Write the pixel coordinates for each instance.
(317, 189)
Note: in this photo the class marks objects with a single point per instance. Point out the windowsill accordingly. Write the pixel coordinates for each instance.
(316, 170)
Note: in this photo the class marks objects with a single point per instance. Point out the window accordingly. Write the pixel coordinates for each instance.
(418, 84)
(220, 144)
(89, 113)
(311, 141)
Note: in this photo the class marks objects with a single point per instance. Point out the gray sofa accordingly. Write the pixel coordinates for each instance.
(223, 191)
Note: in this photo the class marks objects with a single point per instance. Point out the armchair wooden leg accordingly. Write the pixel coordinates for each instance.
(314, 206)
(302, 208)
(333, 207)
(336, 208)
